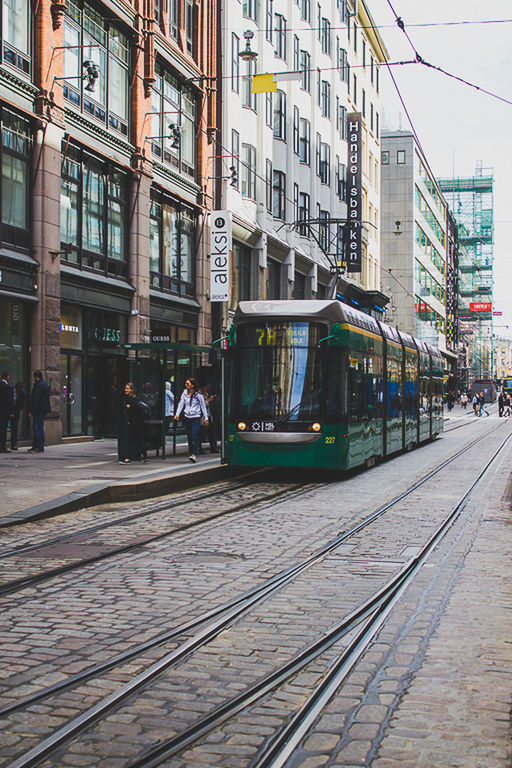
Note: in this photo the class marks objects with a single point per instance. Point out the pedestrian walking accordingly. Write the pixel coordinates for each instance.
(39, 407)
(476, 404)
(193, 407)
(132, 446)
(501, 403)
(6, 409)
(506, 405)
(464, 400)
(20, 398)
(481, 401)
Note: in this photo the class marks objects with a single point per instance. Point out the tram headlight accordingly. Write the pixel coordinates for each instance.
(241, 426)
(316, 427)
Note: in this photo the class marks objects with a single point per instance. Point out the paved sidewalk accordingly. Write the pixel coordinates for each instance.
(70, 475)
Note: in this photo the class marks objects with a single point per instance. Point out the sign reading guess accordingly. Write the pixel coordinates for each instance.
(480, 306)
(220, 245)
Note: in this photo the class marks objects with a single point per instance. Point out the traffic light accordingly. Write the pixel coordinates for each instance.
(234, 176)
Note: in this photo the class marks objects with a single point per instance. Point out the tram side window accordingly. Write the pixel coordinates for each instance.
(394, 399)
(335, 407)
(357, 387)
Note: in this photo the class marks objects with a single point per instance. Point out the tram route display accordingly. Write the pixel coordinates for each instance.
(319, 384)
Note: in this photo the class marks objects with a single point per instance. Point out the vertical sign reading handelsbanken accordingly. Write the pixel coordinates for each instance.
(354, 201)
(220, 248)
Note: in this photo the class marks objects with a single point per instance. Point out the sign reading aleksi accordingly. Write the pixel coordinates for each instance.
(354, 200)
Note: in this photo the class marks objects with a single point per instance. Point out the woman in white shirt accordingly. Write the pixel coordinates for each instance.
(193, 407)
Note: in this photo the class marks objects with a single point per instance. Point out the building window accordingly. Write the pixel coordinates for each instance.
(341, 120)
(354, 88)
(296, 121)
(326, 99)
(93, 211)
(305, 141)
(280, 51)
(363, 96)
(318, 87)
(268, 185)
(273, 279)
(326, 36)
(304, 213)
(16, 34)
(172, 246)
(235, 63)
(173, 124)
(341, 179)
(240, 274)
(173, 19)
(249, 171)
(400, 157)
(342, 64)
(299, 286)
(305, 10)
(364, 53)
(91, 38)
(269, 20)
(235, 159)
(325, 163)
(279, 195)
(305, 66)
(269, 110)
(296, 53)
(323, 230)
(14, 201)
(248, 97)
(189, 27)
(280, 115)
(249, 9)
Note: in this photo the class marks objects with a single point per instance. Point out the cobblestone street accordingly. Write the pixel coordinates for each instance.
(431, 686)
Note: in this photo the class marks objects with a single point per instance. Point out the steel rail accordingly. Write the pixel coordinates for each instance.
(274, 582)
(120, 521)
(34, 756)
(10, 587)
(280, 746)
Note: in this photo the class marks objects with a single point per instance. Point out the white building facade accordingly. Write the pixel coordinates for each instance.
(284, 154)
(414, 240)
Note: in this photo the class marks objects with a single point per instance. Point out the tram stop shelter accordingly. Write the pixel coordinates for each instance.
(159, 371)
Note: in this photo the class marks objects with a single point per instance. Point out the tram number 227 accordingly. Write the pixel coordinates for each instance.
(330, 439)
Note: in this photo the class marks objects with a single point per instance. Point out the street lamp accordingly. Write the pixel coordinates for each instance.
(247, 54)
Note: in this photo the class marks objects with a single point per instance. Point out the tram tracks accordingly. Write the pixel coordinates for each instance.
(221, 618)
(32, 580)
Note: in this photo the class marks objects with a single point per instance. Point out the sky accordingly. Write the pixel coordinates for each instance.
(458, 126)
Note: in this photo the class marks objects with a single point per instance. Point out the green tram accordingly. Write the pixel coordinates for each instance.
(319, 384)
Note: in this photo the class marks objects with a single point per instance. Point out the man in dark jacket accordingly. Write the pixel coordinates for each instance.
(6, 409)
(39, 407)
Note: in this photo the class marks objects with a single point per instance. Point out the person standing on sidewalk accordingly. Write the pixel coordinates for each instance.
(6, 409)
(20, 398)
(193, 406)
(38, 408)
(134, 411)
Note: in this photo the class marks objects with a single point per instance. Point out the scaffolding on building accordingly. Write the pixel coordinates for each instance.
(471, 202)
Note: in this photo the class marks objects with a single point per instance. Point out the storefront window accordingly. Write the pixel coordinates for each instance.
(14, 317)
(16, 34)
(15, 153)
(90, 37)
(93, 213)
(172, 247)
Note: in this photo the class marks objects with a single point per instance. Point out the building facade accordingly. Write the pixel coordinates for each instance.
(470, 200)
(108, 123)
(283, 158)
(414, 243)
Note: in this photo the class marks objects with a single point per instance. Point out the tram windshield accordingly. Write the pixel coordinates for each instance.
(279, 371)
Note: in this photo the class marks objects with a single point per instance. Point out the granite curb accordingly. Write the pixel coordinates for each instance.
(106, 493)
